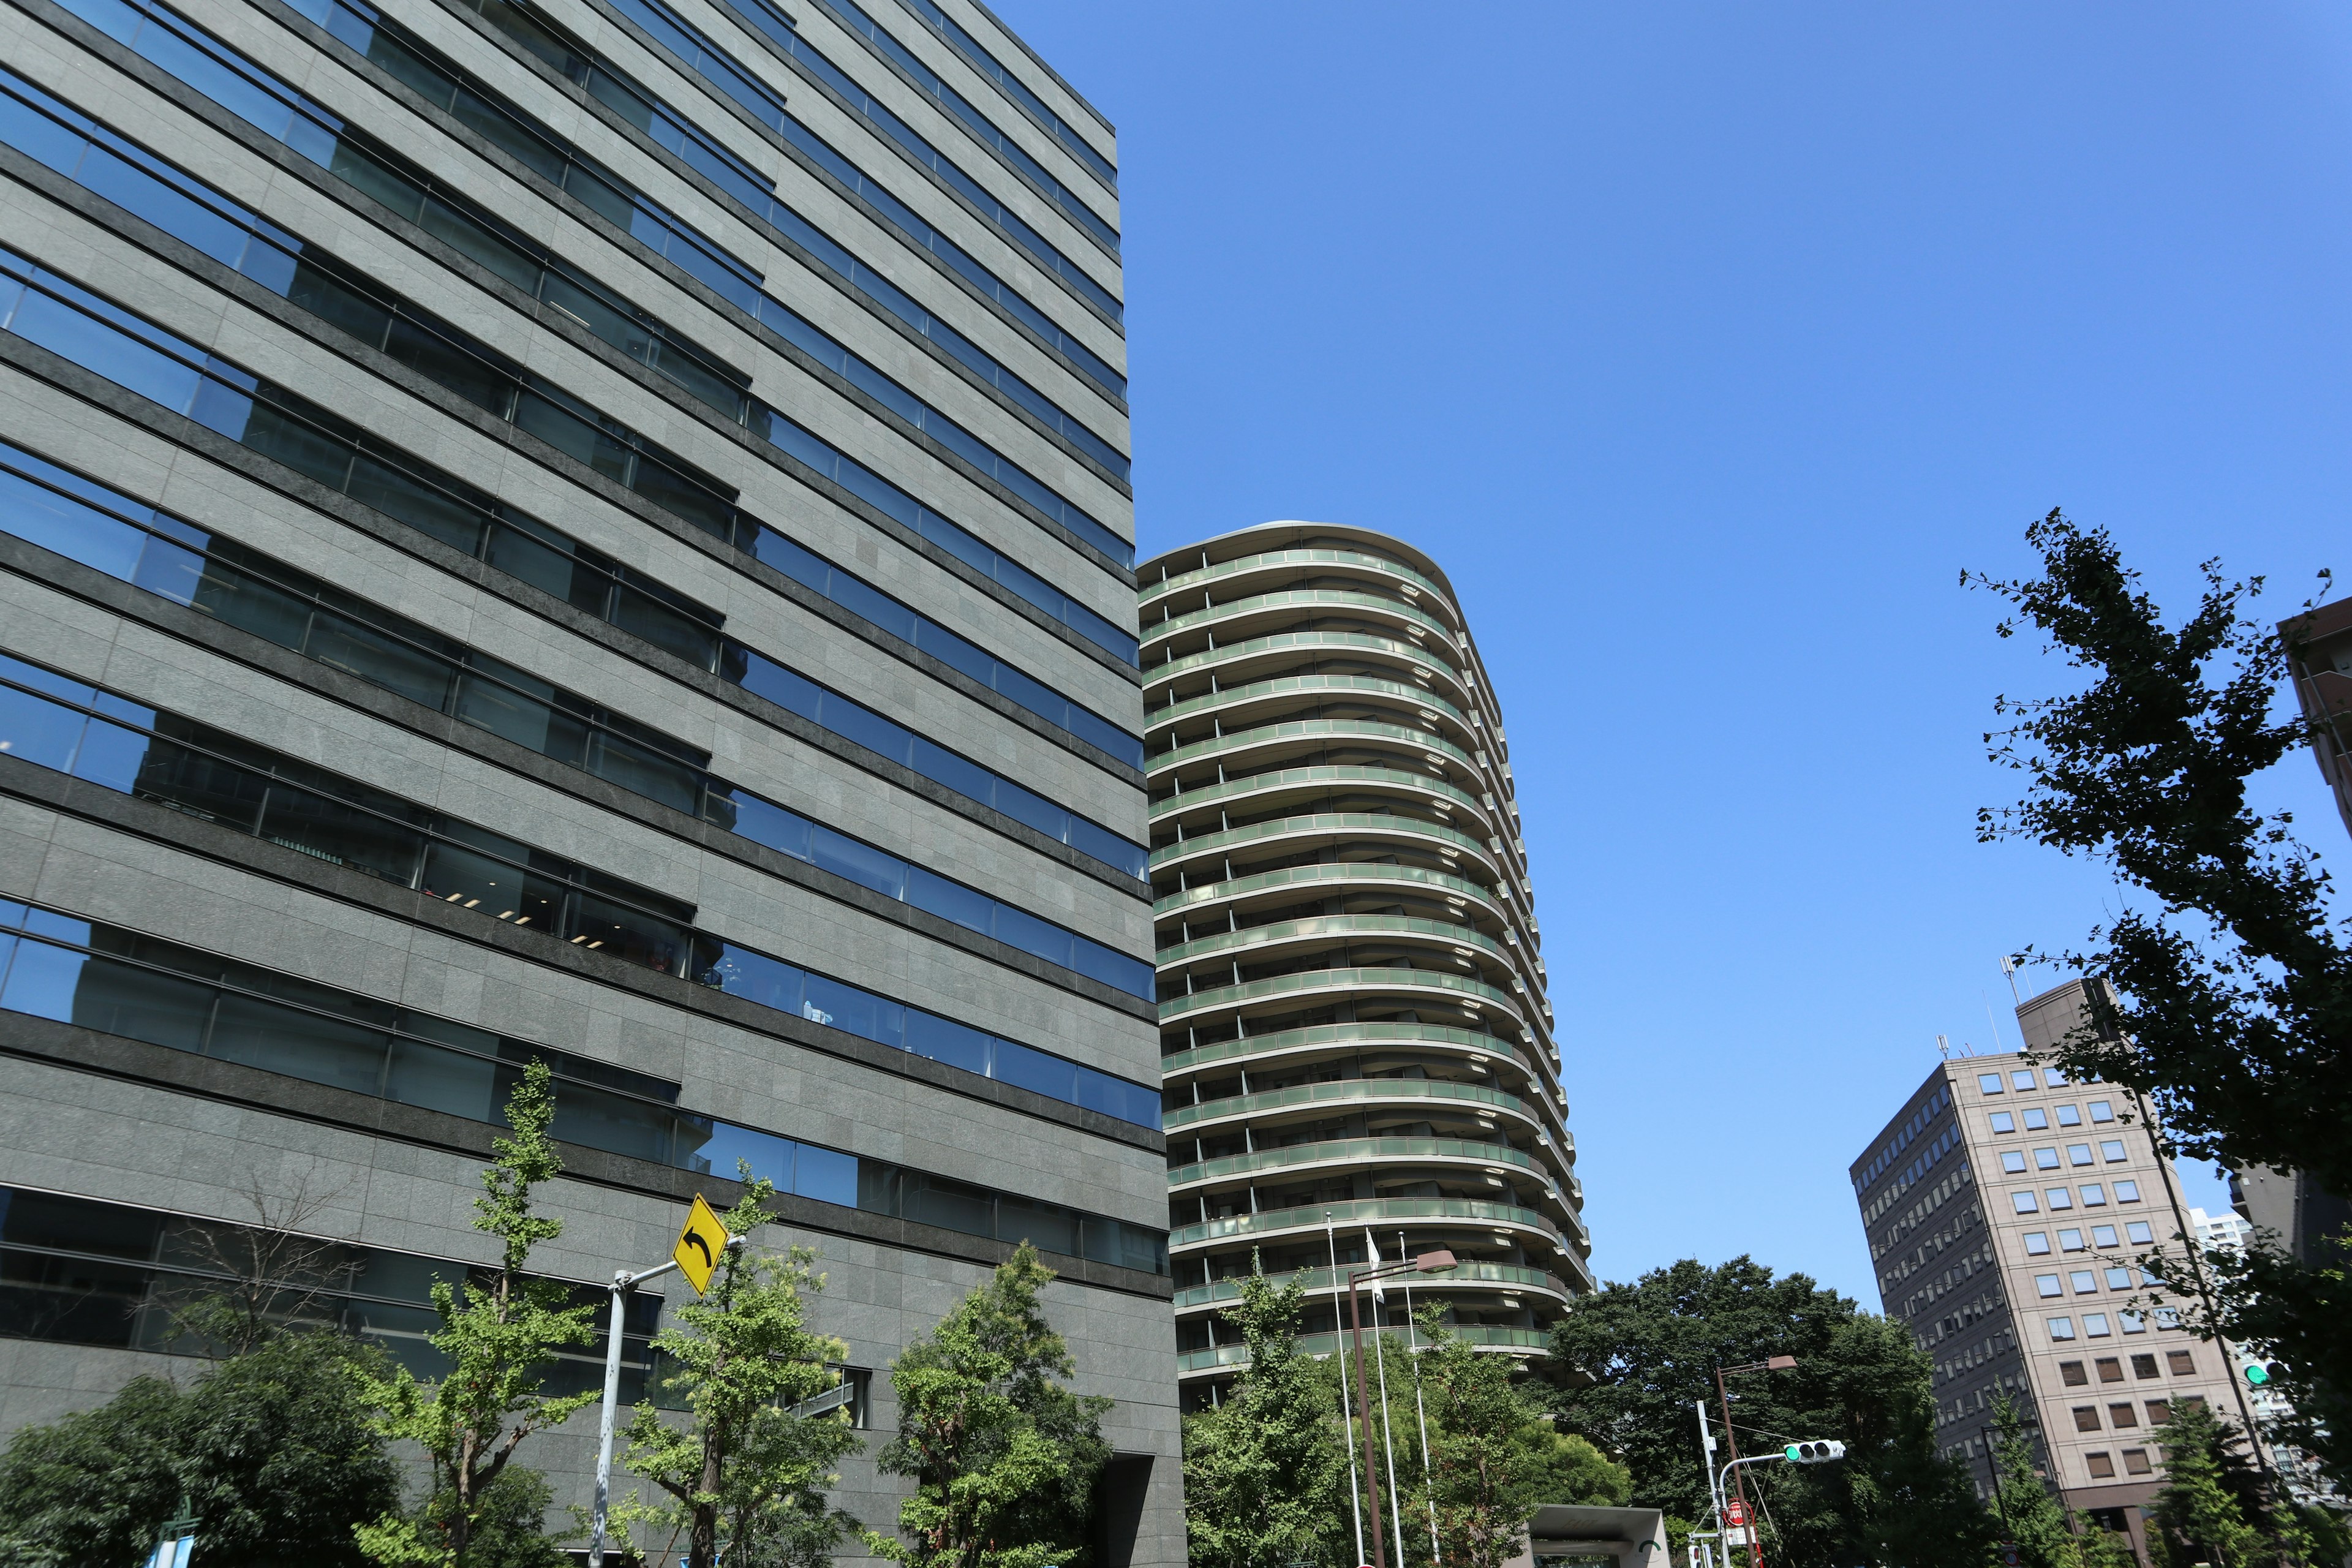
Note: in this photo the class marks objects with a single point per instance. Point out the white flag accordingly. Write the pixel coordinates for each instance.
(1379, 1293)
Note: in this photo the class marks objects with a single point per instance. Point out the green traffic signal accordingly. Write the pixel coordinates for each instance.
(2257, 1373)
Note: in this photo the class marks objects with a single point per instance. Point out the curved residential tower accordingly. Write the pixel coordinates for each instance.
(1352, 985)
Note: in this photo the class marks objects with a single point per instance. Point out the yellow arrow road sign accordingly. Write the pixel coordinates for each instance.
(701, 1244)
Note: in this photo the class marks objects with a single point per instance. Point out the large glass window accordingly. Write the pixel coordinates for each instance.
(281, 111)
(59, 314)
(116, 981)
(180, 763)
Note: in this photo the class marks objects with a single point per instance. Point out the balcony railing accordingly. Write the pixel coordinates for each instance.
(1281, 686)
(1270, 559)
(1441, 932)
(1321, 773)
(1297, 599)
(1341, 1034)
(1486, 1336)
(1323, 1153)
(1320, 822)
(1276, 642)
(1363, 1211)
(1250, 991)
(1346, 1088)
(1334, 871)
(1301, 729)
(1319, 1281)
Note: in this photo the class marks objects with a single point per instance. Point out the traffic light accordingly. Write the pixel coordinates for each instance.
(1816, 1453)
(2260, 1373)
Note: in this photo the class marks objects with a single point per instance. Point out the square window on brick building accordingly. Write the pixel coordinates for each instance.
(2086, 1418)
(2143, 1366)
(2101, 1466)
(2111, 1369)
(2181, 1363)
(2135, 1462)
(2072, 1375)
(2160, 1411)
(2122, 1415)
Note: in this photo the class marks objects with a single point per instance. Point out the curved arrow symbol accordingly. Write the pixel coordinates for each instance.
(691, 1239)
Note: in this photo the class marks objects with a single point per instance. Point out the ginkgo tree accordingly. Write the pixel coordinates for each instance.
(498, 1335)
(743, 1477)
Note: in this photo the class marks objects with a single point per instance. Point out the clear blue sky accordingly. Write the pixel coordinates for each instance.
(1705, 345)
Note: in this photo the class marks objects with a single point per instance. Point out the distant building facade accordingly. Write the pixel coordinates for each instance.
(1353, 1021)
(2004, 1206)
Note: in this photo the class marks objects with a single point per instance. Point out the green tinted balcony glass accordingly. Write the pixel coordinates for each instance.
(1343, 1090)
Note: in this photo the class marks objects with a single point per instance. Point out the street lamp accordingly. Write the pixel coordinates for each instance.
(1358, 1276)
(1754, 1534)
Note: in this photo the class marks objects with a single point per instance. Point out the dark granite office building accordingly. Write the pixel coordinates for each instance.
(587, 530)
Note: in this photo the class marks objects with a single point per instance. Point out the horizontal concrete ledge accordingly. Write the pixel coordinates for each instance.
(144, 819)
(80, 1049)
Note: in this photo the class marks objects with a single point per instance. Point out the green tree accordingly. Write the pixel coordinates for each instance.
(2033, 1519)
(1652, 1347)
(1264, 1470)
(2234, 985)
(496, 1338)
(2196, 1516)
(272, 1451)
(510, 1528)
(745, 1356)
(1492, 1458)
(1002, 1456)
(96, 1486)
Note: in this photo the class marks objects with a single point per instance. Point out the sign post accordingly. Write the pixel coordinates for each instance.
(701, 1242)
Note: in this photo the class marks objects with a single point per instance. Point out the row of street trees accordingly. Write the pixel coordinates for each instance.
(286, 1450)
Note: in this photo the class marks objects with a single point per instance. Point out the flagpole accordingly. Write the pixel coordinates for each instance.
(1347, 1411)
(1421, 1412)
(1379, 1360)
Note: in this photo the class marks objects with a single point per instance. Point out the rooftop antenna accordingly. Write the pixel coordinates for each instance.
(1944, 1045)
(2009, 968)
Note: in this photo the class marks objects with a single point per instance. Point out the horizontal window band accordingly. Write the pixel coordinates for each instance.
(42, 1044)
(320, 136)
(765, 106)
(129, 601)
(119, 982)
(979, 56)
(637, 111)
(132, 1268)
(102, 739)
(336, 296)
(166, 562)
(362, 28)
(982, 130)
(53, 312)
(153, 824)
(118, 744)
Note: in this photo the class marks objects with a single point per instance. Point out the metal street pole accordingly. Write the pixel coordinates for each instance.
(623, 1282)
(1749, 1523)
(1364, 1408)
(1746, 1524)
(1380, 1362)
(1355, 1496)
(1421, 1412)
(1427, 1263)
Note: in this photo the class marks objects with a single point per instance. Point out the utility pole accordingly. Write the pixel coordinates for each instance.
(1749, 1522)
(1746, 1522)
(1358, 1278)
